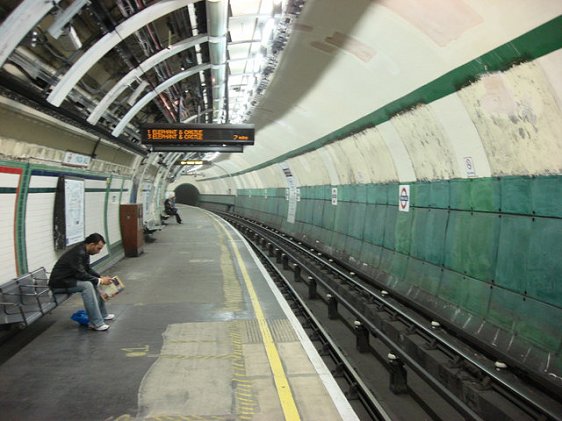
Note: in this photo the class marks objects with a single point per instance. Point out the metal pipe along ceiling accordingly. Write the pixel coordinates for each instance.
(217, 15)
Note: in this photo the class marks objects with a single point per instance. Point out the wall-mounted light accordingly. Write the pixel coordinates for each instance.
(73, 37)
(34, 38)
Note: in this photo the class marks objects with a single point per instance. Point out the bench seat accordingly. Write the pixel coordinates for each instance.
(10, 306)
(150, 227)
(26, 298)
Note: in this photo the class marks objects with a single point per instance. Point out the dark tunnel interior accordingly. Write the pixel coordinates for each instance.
(187, 194)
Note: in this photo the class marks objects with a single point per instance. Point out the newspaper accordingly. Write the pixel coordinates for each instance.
(109, 291)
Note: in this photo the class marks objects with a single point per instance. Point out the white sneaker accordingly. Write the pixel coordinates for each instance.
(109, 317)
(99, 328)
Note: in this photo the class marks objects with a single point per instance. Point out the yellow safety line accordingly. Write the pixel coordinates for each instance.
(281, 383)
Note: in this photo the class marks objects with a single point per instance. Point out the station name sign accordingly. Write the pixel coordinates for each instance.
(197, 134)
(193, 162)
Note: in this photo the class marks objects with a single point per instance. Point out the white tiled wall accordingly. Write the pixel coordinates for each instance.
(39, 224)
(40, 249)
(126, 193)
(147, 206)
(8, 266)
(114, 230)
(95, 202)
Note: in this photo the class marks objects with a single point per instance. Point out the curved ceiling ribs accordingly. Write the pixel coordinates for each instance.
(108, 42)
(160, 88)
(19, 23)
(98, 60)
(137, 72)
(104, 28)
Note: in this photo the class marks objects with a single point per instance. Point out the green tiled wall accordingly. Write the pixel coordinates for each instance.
(492, 247)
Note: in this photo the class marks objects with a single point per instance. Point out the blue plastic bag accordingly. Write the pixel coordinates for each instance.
(81, 317)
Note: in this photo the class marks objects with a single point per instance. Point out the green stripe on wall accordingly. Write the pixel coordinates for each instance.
(42, 190)
(115, 247)
(19, 223)
(534, 44)
(52, 190)
(105, 204)
(21, 248)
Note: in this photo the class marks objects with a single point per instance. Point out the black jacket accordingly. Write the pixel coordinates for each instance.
(169, 207)
(73, 266)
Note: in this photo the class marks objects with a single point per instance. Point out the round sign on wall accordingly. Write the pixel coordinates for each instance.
(404, 198)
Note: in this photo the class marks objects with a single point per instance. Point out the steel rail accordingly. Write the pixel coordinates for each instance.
(435, 384)
(375, 408)
(490, 372)
(435, 334)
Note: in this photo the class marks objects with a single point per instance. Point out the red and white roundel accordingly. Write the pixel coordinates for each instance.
(404, 198)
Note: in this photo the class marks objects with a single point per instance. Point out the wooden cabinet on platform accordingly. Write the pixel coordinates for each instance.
(130, 217)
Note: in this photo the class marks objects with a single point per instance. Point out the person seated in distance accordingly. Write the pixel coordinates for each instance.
(170, 207)
(72, 273)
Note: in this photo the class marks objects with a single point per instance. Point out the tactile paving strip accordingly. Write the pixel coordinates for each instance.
(281, 331)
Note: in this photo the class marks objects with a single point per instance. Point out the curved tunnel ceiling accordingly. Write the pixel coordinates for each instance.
(332, 69)
(95, 59)
(344, 64)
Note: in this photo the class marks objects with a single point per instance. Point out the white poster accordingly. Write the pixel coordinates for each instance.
(292, 211)
(74, 210)
(76, 160)
(334, 196)
(291, 194)
(146, 199)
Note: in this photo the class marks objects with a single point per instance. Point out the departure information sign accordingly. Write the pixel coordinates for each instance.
(193, 162)
(190, 134)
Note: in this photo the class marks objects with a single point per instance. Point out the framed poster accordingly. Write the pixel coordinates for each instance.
(69, 220)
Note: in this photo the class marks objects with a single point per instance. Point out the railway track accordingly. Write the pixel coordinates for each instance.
(394, 362)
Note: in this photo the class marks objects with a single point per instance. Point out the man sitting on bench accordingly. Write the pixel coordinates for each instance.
(170, 207)
(72, 273)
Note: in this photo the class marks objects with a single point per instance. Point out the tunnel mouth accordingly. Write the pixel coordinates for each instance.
(187, 194)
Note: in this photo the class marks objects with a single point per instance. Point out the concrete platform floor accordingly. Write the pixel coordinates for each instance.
(197, 332)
